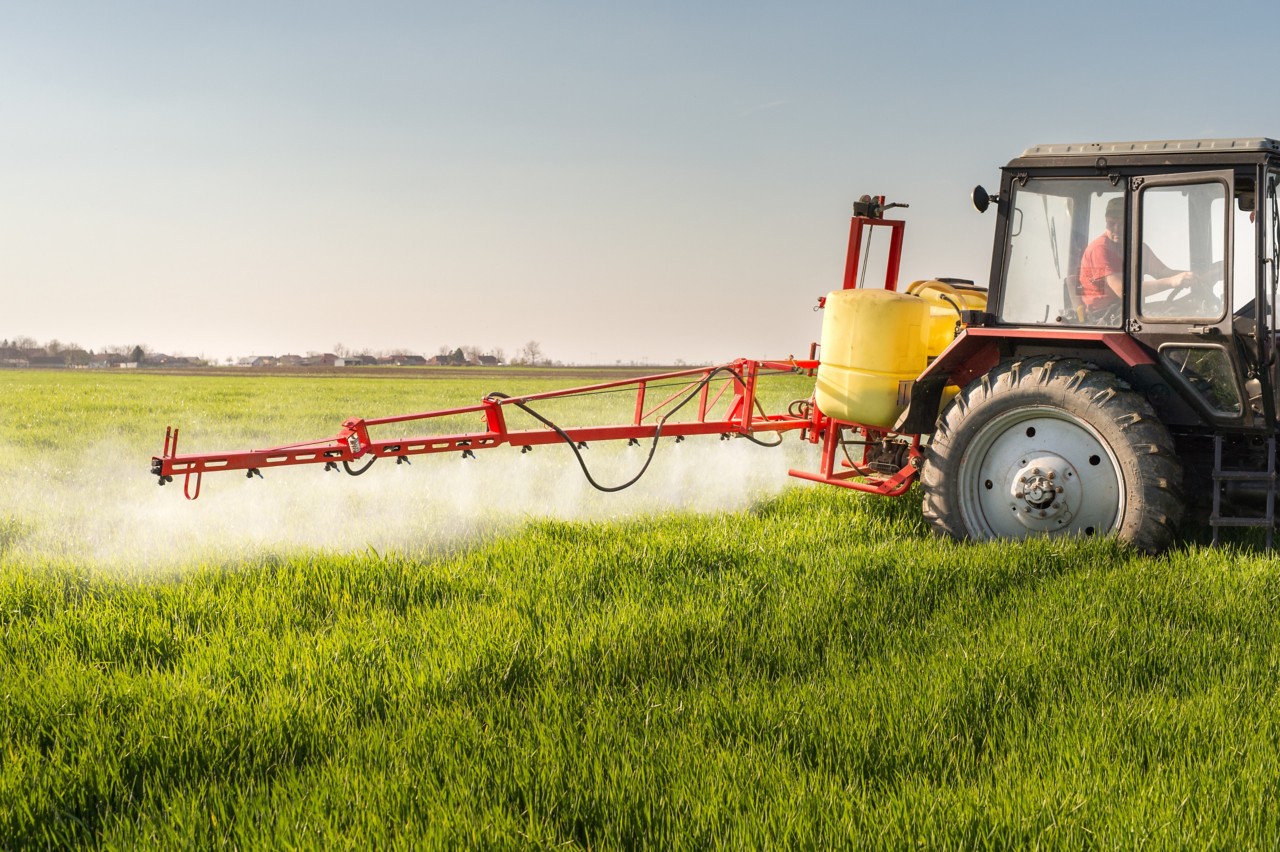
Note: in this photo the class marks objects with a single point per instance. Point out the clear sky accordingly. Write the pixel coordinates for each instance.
(618, 181)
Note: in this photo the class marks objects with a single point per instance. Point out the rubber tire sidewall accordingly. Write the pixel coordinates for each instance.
(1150, 472)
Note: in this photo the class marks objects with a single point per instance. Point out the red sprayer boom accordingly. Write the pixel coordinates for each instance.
(721, 400)
(354, 444)
(730, 390)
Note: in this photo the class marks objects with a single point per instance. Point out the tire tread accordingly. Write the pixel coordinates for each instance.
(1154, 508)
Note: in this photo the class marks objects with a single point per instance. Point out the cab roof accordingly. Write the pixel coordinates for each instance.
(1168, 146)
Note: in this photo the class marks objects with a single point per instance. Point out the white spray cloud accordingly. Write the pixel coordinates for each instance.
(106, 512)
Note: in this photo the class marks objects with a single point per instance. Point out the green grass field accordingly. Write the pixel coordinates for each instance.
(809, 669)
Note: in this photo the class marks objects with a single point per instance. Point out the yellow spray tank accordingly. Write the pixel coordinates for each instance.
(875, 343)
(873, 348)
(946, 300)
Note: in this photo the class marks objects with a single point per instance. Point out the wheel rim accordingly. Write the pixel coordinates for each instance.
(1040, 470)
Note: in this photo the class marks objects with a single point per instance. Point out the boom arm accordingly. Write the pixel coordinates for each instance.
(736, 381)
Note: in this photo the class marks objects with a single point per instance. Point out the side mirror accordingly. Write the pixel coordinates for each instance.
(981, 199)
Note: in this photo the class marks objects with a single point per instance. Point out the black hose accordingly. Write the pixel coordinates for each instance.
(693, 393)
(844, 448)
(347, 466)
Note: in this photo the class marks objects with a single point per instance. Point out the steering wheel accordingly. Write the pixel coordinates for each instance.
(1211, 273)
(1197, 299)
(1200, 298)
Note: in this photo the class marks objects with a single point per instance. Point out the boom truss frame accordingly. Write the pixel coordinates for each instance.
(735, 383)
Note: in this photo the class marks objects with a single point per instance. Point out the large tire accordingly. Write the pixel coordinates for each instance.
(1052, 447)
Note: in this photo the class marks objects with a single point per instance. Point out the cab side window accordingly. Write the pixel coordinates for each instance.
(1180, 263)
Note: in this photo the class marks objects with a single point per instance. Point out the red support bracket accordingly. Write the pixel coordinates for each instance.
(859, 239)
(859, 476)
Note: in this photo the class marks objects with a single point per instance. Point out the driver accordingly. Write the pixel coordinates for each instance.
(1102, 267)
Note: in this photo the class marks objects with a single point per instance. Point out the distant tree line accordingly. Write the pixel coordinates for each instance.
(26, 351)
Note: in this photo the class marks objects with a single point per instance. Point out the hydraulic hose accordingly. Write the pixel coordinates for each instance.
(693, 393)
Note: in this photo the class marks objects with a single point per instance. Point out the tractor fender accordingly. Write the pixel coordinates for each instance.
(977, 350)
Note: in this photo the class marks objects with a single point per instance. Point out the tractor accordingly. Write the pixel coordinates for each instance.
(1116, 376)
(1088, 411)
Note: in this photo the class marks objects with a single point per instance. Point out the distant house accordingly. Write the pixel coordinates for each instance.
(328, 359)
(489, 361)
(289, 361)
(41, 358)
(104, 360)
(407, 361)
(11, 357)
(161, 360)
(264, 361)
(456, 358)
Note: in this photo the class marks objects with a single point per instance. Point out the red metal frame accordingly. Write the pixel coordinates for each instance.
(353, 442)
(858, 476)
(857, 226)
(977, 349)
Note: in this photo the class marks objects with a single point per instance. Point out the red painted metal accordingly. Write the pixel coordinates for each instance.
(977, 349)
(859, 225)
(1117, 341)
(354, 443)
(859, 476)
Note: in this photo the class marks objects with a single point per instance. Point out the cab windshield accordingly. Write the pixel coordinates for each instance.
(1051, 224)
(1075, 242)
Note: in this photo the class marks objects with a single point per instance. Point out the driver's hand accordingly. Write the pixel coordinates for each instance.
(1183, 279)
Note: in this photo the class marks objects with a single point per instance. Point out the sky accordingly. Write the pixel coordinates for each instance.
(635, 182)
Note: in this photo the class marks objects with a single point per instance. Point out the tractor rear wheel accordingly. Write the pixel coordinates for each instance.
(1046, 446)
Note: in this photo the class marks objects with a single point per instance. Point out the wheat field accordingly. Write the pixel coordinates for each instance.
(458, 655)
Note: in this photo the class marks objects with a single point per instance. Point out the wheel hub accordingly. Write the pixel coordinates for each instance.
(1037, 470)
(1043, 490)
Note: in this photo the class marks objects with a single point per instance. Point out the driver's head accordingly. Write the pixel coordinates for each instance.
(1115, 218)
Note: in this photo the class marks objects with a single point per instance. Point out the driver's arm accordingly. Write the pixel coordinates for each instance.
(1115, 282)
(1164, 277)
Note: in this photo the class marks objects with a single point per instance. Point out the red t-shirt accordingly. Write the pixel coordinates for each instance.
(1101, 258)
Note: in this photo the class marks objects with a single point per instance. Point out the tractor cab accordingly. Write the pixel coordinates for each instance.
(1123, 374)
(1170, 244)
